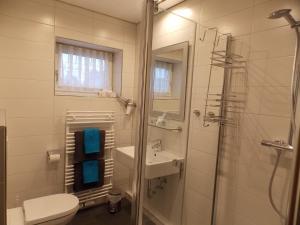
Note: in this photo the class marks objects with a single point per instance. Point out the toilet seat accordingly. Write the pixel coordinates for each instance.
(41, 210)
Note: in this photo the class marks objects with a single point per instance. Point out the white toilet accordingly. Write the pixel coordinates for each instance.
(56, 209)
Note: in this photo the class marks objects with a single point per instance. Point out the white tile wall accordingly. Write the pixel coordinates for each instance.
(35, 117)
(246, 166)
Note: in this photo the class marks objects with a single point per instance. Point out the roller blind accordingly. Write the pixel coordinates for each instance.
(162, 78)
(83, 70)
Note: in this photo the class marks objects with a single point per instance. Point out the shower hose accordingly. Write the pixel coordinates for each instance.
(271, 184)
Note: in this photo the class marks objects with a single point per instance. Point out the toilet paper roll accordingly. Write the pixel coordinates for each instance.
(54, 157)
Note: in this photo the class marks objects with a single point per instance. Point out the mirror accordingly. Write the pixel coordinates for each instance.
(168, 83)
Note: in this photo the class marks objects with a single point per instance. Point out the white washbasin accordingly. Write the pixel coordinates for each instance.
(158, 164)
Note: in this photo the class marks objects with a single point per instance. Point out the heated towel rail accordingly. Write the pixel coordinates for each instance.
(76, 121)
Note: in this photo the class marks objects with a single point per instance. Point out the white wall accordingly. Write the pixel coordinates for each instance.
(35, 117)
(246, 166)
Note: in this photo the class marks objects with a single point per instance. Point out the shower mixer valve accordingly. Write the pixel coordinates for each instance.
(277, 144)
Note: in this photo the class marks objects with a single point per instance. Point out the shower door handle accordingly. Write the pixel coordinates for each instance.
(277, 144)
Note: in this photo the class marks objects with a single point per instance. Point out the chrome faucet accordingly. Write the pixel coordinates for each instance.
(156, 145)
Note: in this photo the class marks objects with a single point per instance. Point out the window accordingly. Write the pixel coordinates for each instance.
(162, 78)
(81, 70)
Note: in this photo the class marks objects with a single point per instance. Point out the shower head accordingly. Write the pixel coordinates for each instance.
(280, 13)
(285, 13)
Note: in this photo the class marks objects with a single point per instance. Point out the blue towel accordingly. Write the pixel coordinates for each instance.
(91, 138)
(90, 170)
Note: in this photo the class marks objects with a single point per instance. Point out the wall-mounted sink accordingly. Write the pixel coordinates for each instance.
(158, 164)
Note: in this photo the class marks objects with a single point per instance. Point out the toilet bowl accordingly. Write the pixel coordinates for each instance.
(56, 209)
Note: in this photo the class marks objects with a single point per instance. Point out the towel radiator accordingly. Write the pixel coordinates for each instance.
(77, 121)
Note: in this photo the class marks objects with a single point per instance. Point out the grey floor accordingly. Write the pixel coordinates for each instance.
(99, 216)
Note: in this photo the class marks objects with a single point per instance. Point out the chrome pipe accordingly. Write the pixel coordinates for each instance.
(294, 88)
(293, 215)
(143, 107)
(225, 89)
(294, 205)
(280, 145)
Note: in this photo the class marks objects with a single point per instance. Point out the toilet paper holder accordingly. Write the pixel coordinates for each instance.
(53, 156)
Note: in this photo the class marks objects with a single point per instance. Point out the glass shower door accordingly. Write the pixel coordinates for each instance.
(167, 119)
(2, 167)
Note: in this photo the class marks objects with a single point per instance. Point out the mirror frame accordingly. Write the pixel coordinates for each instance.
(173, 116)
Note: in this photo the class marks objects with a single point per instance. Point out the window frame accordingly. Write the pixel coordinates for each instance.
(115, 67)
(164, 94)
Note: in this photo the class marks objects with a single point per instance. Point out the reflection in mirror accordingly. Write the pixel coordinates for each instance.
(169, 74)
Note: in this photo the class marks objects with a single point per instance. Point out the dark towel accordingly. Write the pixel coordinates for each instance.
(79, 182)
(91, 140)
(79, 147)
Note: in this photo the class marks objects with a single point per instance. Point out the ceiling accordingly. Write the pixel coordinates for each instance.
(129, 10)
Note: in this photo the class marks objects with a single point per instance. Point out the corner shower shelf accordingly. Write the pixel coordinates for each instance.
(227, 60)
(224, 101)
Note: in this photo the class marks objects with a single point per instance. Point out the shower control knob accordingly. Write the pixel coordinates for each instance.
(277, 144)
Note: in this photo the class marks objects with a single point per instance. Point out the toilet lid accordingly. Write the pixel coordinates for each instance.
(50, 207)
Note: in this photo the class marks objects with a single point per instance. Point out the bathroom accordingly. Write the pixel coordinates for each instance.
(149, 112)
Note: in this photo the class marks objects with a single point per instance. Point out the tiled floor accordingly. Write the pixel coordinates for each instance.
(99, 216)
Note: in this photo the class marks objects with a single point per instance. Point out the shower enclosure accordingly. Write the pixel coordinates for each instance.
(248, 175)
(236, 176)
(164, 116)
